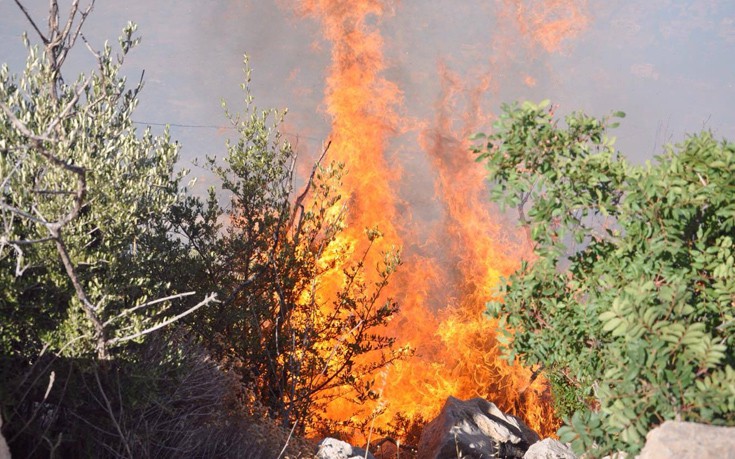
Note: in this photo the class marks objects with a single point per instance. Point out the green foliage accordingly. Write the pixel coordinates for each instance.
(82, 195)
(79, 186)
(633, 289)
(100, 247)
(296, 344)
(568, 397)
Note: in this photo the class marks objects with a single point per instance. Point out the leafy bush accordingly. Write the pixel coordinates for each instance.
(297, 316)
(79, 187)
(632, 291)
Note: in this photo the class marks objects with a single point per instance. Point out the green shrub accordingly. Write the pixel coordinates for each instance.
(633, 289)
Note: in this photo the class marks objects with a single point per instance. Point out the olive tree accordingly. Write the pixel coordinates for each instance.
(629, 301)
(80, 185)
(81, 191)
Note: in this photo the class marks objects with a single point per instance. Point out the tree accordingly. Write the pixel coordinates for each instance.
(630, 299)
(80, 193)
(293, 343)
(79, 185)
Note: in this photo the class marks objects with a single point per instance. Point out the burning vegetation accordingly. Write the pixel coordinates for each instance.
(336, 311)
(452, 266)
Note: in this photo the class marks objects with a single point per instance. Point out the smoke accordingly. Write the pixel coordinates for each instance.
(412, 175)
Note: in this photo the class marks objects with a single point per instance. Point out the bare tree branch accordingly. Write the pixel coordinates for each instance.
(290, 434)
(87, 305)
(33, 23)
(146, 304)
(68, 37)
(211, 298)
(22, 213)
(70, 20)
(71, 104)
(111, 413)
(243, 285)
(4, 241)
(20, 126)
(298, 203)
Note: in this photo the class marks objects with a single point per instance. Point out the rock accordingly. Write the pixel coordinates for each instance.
(331, 448)
(549, 449)
(474, 428)
(689, 440)
(389, 448)
(4, 451)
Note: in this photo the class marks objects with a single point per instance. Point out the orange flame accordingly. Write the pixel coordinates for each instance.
(443, 288)
(548, 23)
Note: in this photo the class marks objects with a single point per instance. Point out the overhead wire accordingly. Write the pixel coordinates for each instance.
(214, 126)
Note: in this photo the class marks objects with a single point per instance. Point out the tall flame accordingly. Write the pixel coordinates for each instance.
(446, 281)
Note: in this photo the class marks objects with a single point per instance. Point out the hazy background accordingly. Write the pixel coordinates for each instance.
(669, 64)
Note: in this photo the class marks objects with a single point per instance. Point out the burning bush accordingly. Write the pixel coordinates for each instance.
(298, 320)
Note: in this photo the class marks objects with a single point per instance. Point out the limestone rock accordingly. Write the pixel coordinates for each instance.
(689, 440)
(474, 428)
(549, 449)
(331, 448)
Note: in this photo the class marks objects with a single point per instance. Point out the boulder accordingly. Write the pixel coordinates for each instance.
(549, 449)
(331, 448)
(689, 440)
(474, 428)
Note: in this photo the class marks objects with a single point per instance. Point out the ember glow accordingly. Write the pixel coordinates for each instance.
(455, 269)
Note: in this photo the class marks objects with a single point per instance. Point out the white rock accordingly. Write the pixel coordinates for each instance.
(549, 449)
(474, 428)
(331, 448)
(689, 440)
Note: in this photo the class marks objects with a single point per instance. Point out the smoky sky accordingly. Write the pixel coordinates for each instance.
(667, 63)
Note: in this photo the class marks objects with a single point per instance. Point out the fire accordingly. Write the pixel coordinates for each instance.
(548, 23)
(442, 289)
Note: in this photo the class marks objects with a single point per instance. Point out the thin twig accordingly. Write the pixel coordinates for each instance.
(19, 125)
(4, 241)
(112, 414)
(87, 305)
(67, 36)
(298, 204)
(22, 213)
(60, 117)
(33, 23)
(209, 299)
(288, 439)
(243, 285)
(146, 304)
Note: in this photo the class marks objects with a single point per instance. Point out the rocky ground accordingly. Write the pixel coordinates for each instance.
(477, 429)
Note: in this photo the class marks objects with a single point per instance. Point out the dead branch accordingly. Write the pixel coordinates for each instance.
(298, 203)
(55, 228)
(33, 23)
(211, 298)
(146, 304)
(243, 285)
(111, 413)
(59, 41)
(290, 434)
